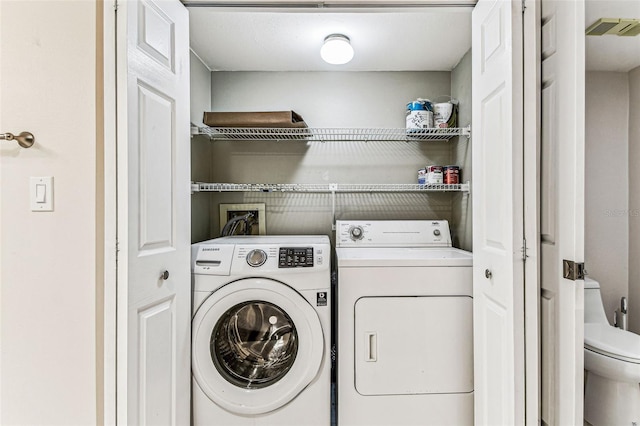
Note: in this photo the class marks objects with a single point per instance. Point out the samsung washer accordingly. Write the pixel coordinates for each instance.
(405, 330)
(261, 325)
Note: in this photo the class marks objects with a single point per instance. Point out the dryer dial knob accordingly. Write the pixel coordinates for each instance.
(356, 233)
(256, 258)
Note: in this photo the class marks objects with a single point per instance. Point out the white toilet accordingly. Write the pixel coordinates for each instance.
(612, 366)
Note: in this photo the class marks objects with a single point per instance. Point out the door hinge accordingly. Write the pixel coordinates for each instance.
(523, 250)
(115, 5)
(572, 270)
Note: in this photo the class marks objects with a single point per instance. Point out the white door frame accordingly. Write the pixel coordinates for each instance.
(532, 88)
(561, 210)
(109, 333)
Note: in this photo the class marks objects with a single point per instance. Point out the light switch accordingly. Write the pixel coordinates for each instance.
(41, 192)
(41, 189)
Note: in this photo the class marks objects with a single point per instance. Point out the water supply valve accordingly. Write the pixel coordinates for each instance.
(620, 315)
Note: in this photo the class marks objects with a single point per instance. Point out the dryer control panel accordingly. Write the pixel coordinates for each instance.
(393, 233)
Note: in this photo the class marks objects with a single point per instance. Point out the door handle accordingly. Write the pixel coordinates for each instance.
(371, 343)
(164, 275)
(487, 274)
(24, 139)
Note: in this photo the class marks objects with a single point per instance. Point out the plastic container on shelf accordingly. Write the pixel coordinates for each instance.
(419, 114)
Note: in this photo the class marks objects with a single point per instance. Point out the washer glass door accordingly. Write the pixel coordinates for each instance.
(254, 344)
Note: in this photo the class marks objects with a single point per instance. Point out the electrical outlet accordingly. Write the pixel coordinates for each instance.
(258, 223)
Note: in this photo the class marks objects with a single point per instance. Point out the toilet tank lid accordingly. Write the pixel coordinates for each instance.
(612, 341)
(591, 283)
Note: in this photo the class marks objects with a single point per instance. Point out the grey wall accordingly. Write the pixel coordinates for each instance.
(329, 99)
(200, 89)
(634, 199)
(462, 213)
(200, 149)
(606, 180)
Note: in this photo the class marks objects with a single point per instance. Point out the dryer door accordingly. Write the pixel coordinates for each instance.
(257, 343)
(414, 345)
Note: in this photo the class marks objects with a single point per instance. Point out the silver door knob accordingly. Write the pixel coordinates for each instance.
(164, 275)
(487, 274)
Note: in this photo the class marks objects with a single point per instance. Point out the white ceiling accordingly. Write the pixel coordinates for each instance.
(245, 39)
(611, 52)
(433, 39)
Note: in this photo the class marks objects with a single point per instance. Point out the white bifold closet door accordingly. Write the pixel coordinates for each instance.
(498, 268)
(153, 167)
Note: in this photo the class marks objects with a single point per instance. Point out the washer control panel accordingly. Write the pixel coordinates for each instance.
(295, 257)
(393, 233)
(263, 255)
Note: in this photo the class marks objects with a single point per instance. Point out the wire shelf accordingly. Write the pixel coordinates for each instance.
(332, 134)
(326, 188)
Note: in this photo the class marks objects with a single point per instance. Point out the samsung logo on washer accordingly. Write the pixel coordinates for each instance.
(210, 248)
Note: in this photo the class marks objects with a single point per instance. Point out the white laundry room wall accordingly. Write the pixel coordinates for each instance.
(328, 99)
(50, 285)
(607, 184)
(634, 200)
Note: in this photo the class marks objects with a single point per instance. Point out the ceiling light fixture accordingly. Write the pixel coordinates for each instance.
(336, 49)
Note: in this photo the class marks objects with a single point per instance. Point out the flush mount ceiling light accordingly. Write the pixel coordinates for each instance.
(336, 49)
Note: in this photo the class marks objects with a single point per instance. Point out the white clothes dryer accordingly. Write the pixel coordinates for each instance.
(261, 350)
(405, 330)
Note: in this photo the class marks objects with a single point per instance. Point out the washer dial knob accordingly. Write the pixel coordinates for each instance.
(436, 232)
(356, 233)
(256, 257)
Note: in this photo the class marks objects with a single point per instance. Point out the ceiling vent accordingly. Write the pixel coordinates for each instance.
(615, 26)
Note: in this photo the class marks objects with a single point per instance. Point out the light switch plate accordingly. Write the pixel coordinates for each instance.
(41, 193)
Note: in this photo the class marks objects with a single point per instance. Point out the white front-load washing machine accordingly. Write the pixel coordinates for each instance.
(261, 350)
(405, 325)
